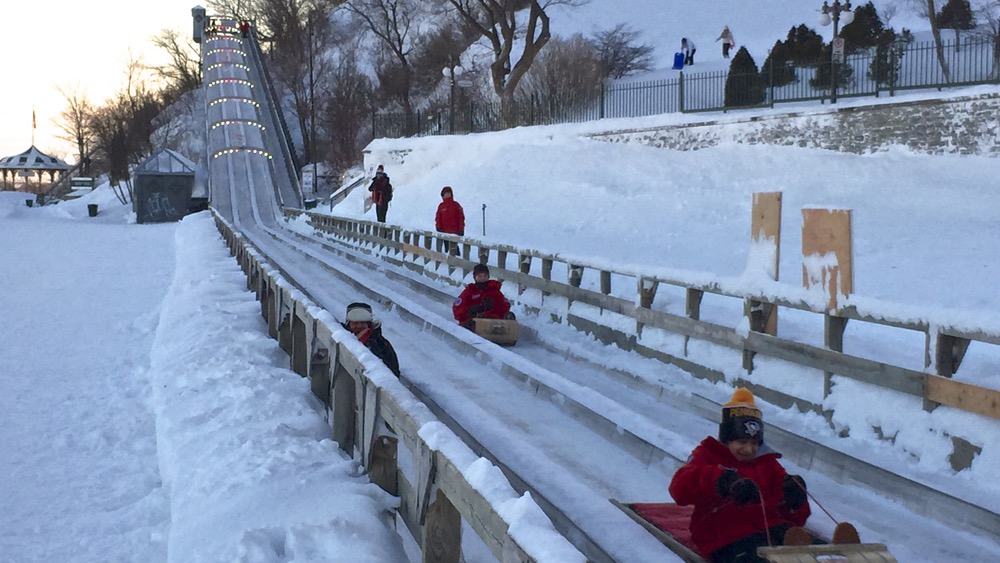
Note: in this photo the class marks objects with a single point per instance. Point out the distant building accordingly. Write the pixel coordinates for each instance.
(27, 171)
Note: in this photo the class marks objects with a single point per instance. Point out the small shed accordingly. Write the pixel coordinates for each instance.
(163, 186)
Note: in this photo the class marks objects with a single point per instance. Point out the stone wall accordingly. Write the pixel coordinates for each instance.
(960, 125)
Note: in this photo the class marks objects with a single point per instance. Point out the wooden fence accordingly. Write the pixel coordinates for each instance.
(944, 349)
(361, 401)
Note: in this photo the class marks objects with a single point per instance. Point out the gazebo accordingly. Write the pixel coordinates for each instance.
(20, 168)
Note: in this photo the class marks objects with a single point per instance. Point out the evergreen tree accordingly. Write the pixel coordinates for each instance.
(778, 69)
(804, 45)
(743, 85)
(957, 15)
(884, 68)
(822, 80)
(863, 32)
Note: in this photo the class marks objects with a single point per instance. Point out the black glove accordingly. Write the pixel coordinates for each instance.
(487, 304)
(745, 491)
(726, 481)
(794, 491)
(477, 309)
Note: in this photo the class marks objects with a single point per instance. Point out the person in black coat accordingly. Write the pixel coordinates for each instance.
(363, 325)
(381, 190)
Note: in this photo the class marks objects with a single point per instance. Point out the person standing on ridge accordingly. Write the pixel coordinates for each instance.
(381, 191)
(688, 48)
(450, 217)
(727, 41)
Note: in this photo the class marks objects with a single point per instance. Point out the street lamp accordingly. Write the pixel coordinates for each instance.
(839, 11)
(450, 71)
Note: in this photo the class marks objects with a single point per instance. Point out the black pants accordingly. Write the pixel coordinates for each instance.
(745, 550)
(380, 211)
(725, 50)
(689, 57)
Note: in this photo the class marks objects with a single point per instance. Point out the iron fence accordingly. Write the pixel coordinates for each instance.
(869, 72)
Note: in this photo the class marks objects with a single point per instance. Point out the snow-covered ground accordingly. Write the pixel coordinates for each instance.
(147, 415)
(152, 415)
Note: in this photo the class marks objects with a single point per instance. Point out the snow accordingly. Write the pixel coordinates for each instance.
(148, 417)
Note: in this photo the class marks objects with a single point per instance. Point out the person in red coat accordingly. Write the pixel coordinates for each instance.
(743, 498)
(450, 217)
(482, 298)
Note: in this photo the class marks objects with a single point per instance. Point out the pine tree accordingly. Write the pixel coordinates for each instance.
(778, 69)
(957, 15)
(863, 32)
(884, 68)
(743, 85)
(805, 46)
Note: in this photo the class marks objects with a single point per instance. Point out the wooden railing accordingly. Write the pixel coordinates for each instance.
(945, 345)
(362, 399)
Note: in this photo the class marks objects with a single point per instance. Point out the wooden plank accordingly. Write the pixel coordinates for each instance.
(847, 553)
(963, 396)
(826, 233)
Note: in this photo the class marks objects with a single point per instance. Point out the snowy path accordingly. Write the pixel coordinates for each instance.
(79, 473)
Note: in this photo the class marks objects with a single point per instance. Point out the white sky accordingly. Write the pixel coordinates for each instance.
(66, 43)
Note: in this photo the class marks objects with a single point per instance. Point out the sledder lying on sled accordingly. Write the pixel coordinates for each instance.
(483, 309)
(736, 503)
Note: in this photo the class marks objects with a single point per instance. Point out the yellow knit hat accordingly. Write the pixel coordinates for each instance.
(741, 418)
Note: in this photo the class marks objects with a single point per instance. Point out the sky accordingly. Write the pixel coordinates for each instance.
(95, 59)
(69, 44)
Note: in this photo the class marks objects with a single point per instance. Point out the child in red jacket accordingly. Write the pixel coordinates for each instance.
(450, 217)
(743, 498)
(482, 298)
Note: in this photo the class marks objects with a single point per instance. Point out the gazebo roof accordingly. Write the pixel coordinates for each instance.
(33, 159)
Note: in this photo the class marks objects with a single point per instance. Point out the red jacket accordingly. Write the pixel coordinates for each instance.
(718, 521)
(473, 296)
(450, 218)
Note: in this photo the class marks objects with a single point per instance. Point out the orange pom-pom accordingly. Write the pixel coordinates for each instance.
(742, 396)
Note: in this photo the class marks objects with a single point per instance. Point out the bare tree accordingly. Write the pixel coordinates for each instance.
(925, 8)
(989, 13)
(392, 22)
(566, 77)
(183, 72)
(620, 53)
(497, 21)
(74, 122)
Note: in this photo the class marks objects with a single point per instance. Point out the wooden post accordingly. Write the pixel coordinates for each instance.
(575, 275)
(442, 532)
(319, 375)
(692, 306)
(344, 410)
(605, 282)
(765, 253)
(524, 266)
(828, 263)
(828, 252)
(382, 468)
(300, 346)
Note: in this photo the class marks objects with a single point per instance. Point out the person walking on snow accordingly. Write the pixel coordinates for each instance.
(381, 191)
(743, 498)
(481, 299)
(688, 48)
(450, 217)
(727, 41)
(362, 324)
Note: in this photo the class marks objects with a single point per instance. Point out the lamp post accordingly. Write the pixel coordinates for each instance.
(450, 71)
(839, 11)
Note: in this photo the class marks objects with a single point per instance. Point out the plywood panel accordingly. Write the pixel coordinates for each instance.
(828, 252)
